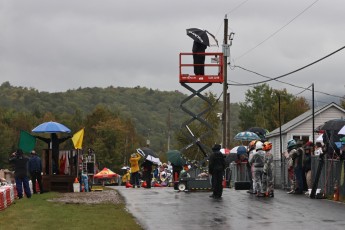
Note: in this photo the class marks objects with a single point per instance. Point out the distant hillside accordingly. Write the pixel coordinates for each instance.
(150, 110)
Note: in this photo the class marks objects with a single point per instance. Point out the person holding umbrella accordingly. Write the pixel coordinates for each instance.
(55, 143)
(199, 59)
(147, 172)
(202, 39)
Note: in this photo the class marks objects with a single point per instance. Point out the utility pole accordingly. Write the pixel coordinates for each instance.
(228, 120)
(313, 111)
(169, 127)
(225, 83)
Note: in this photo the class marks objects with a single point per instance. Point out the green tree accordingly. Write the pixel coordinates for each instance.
(200, 130)
(342, 103)
(261, 107)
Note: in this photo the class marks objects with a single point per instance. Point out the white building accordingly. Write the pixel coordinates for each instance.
(302, 127)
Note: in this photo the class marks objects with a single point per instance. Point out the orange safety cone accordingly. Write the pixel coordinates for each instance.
(128, 185)
(224, 183)
(144, 184)
(76, 180)
(157, 185)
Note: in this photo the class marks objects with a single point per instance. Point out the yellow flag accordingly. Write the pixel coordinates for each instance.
(78, 139)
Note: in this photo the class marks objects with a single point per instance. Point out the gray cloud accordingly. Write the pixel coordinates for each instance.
(58, 44)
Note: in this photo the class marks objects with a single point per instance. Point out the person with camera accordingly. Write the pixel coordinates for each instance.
(35, 169)
(20, 163)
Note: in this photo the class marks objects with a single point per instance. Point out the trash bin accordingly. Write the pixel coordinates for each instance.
(76, 187)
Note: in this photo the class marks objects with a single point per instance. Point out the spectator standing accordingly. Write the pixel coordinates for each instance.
(134, 161)
(35, 169)
(295, 152)
(251, 150)
(268, 177)
(20, 163)
(216, 169)
(307, 163)
(318, 149)
(147, 172)
(257, 161)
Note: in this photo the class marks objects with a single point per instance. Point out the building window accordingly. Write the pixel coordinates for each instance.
(305, 139)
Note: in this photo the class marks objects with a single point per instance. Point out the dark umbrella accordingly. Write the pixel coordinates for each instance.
(149, 155)
(202, 36)
(258, 130)
(175, 158)
(332, 125)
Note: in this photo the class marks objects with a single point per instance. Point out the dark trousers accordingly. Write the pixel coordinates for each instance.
(135, 179)
(20, 183)
(299, 179)
(199, 69)
(36, 175)
(148, 178)
(217, 186)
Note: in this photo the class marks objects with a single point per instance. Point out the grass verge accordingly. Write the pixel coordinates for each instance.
(39, 213)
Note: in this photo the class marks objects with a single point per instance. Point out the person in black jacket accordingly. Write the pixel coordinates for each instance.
(20, 163)
(147, 172)
(216, 169)
(199, 58)
(35, 169)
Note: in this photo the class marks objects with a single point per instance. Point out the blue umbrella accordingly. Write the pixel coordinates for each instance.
(51, 127)
(246, 136)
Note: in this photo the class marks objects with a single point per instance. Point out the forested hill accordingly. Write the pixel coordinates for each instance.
(149, 109)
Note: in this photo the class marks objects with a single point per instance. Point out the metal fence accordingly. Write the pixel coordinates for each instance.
(332, 174)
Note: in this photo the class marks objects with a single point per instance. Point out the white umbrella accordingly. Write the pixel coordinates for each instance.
(234, 149)
(225, 151)
(319, 138)
(342, 130)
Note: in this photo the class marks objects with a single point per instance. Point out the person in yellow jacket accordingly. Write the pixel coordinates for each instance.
(126, 178)
(134, 161)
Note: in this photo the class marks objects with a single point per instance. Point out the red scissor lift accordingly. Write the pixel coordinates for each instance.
(213, 74)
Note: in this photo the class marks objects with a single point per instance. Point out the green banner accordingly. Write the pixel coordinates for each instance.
(27, 142)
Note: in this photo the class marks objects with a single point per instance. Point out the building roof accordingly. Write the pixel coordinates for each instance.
(302, 118)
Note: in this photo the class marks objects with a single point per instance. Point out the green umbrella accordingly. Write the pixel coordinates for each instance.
(175, 158)
(342, 139)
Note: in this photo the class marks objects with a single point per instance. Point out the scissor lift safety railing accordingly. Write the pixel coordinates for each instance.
(208, 79)
(213, 68)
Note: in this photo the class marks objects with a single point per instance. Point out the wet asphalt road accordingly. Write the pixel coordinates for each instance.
(165, 208)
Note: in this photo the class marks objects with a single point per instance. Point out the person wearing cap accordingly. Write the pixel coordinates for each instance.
(20, 163)
(134, 161)
(216, 166)
(257, 161)
(35, 169)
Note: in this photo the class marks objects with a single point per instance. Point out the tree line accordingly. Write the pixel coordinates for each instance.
(118, 120)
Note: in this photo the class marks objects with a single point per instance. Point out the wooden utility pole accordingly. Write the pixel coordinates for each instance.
(225, 83)
(228, 120)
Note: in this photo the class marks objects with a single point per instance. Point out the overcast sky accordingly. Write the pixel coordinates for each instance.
(56, 45)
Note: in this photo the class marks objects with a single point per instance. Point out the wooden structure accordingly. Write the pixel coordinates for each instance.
(52, 181)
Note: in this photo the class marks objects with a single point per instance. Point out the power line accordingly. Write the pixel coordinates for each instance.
(284, 75)
(272, 35)
(305, 89)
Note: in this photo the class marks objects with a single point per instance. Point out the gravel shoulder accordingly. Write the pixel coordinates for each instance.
(100, 197)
